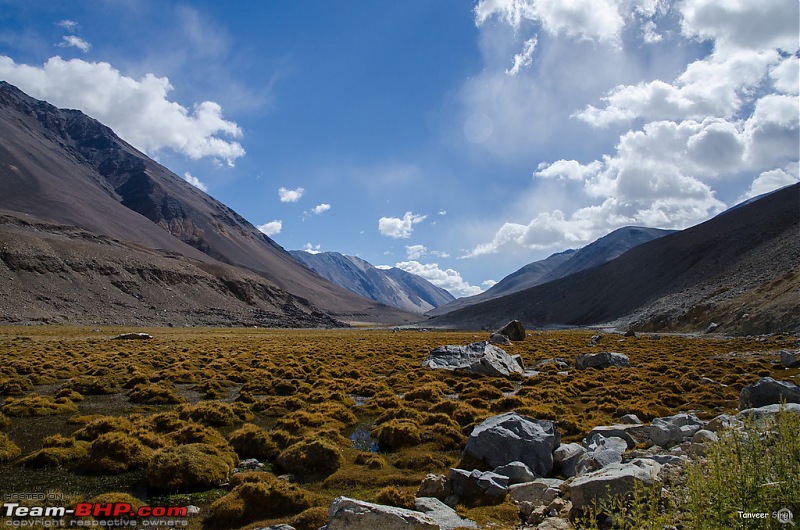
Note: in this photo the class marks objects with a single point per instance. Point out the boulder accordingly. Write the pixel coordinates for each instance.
(433, 486)
(560, 363)
(703, 436)
(668, 459)
(607, 451)
(514, 330)
(632, 433)
(445, 516)
(517, 472)
(602, 360)
(476, 484)
(498, 338)
(132, 336)
(630, 419)
(671, 430)
(768, 391)
(478, 357)
(723, 421)
(768, 411)
(539, 492)
(612, 481)
(351, 514)
(511, 437)
(571, 459)
(790, 358)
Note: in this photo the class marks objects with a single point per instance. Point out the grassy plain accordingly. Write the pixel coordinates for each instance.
(346, 412)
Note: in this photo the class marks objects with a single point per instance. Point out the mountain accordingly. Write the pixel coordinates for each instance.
(740, 270)
(61, 169)
(561, 264)
(394, 286)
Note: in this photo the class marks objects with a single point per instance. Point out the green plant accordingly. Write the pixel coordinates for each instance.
(754, 470)
(641, 509)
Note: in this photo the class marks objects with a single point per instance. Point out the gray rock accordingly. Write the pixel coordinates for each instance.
(433, 486)
(511, 437)
(612, 481)
(704, 436)
(768, 391)
(602, 360)
(607, 451)
(351, 514)
(790, 358)
(723, 421)
(630, 419)
(554, 523)
(767, 411)
(560, 362)
(671, 430)
(632, 433)
(539, 492)
(278, 527)
(498, 338)
(132, 336)
(567, 459)
(711, 327)
(514, 330)
(478, 357)
(477, 484)
(668, 459)
(517, 472)
(445, 516)
(595, 340)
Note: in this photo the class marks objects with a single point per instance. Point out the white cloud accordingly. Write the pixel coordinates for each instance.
(770, 181)
(271, 228)
(488, 284)
(194, 181)
(786, 74)
(448, 279)
(525, 58)
(320, 208)
(414, 252)
(312, 249)
(69, 25)
(568, 169)
(399, 228)
(138, 110)
(76, 42)
(287, 195)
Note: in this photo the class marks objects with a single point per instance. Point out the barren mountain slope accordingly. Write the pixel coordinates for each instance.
(63, 167)
(681, 281)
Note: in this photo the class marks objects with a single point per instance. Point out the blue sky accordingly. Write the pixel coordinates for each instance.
(458, 140)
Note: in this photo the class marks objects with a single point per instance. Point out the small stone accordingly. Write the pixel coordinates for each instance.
(704, 436)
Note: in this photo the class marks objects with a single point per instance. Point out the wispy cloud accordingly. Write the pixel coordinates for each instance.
(76, 42)
(194, 181)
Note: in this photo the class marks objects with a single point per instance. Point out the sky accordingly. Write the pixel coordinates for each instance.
(455, 139)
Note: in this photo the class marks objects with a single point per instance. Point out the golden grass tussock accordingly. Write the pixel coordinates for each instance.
(189, 467)
(251, 441)
(36, 405)
(8, 449)
(311, 460)
(116, 452)
(251, 501)
(394, 496)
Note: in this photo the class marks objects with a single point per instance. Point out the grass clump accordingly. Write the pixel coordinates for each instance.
(311, 460)
(57, 451)
(393, 496)
(8, 449)
(154, 394)
(251, 441)
(253, 501)
(116, 452)
(755, 470)
(191, 467)
(37, 405)
(216, 413)
(397, 434)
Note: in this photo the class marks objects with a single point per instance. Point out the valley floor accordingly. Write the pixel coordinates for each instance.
(100, 420)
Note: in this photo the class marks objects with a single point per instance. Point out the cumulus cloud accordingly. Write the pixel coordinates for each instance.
(320, 208)
(139, 110)
(271, 228)
(448, 279)
(76, 42)
(770, 181)
(399, 228)
(312, 249)
(194, 181)
(287, 195)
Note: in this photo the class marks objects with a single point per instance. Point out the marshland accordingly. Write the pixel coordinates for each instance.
(348, 412)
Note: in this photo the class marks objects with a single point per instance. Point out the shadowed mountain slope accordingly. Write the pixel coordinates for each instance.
(62, 167)
(561, 264)
(394, 286)
(739, 270)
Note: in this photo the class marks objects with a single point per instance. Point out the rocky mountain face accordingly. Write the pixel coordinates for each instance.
(739, 270)
(561, 264)
(61, 168)
(394, 286)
